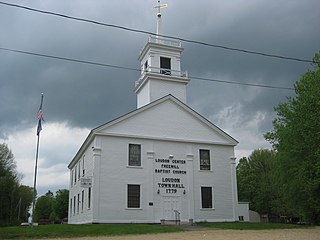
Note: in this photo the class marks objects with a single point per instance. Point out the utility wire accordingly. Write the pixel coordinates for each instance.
(239, 83)
(68, 59)
(138, 70)
(165, 36)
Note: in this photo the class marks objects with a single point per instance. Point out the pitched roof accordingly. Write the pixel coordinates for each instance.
(100, 129)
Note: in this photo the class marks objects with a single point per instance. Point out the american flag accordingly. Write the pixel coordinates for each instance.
(40, 117)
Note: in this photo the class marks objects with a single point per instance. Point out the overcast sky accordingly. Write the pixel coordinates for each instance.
(79, 97)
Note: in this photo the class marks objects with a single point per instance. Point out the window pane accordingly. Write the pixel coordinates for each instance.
(133, 196)
(89, 197)
(165, 65)
(134, 155)
(74, 205)
(82, 200)
(204, 159)
(70, 207)
(206, 197)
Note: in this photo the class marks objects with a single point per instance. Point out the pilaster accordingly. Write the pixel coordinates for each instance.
(234, 187)
(96, 180)
(190, 192)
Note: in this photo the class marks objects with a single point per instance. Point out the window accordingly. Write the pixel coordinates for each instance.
(134, 155)
(71, 172)
(206, 197)
(79, 170)
(75, 174)
(74, 205)
(146, 66)
(241, 218)
(83, 165)
(89, 197)
(165, 65)
(82, 200)
(78, 203)
(133, 196)
(204, 159)
(70, 207)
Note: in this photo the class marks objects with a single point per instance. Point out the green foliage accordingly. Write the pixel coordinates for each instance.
(43, 207)
(52, 217)
(52, 207)
(25, 198)
(60, 205)
(257, 181)
(296, 138)
(14, 198)
(77, 231)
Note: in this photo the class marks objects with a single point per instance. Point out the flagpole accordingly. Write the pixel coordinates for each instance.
(39, 128)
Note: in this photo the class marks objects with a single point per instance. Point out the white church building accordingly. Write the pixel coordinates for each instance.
(161, 162)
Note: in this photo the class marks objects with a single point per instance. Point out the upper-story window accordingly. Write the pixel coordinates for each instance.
(165, 65)
(75, 174)
(71, 172)
(79, 170)
(204, 159)
(146, 66)
(134, 155)
(83, 171)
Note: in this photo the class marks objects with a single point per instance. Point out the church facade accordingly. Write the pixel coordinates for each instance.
(161, 162)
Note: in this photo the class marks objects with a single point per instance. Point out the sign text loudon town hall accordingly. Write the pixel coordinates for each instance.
(170, 174)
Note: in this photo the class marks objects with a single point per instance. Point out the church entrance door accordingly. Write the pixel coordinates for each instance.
(171, 208)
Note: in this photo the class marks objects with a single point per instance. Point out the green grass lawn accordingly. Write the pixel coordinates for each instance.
(251, 226)
(68, 230)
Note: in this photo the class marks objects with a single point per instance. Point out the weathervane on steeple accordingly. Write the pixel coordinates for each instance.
(159, 6)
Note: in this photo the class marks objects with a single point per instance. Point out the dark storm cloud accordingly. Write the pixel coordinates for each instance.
(86, 96)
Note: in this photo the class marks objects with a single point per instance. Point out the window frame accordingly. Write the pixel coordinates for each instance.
(83, 169)
(79, 170)
(130, 156)
(71, 173)
(78, 204)
(163, 69)
(71, 207)
(89, 197)
(146, 65)
(133, 202)
(204, 198)
(82, 200)
(204, 167)
(74, 205)
(75, 174)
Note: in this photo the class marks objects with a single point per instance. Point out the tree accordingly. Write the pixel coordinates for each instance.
(256, 177)
(60, 205)
(25, 200)
(15, 199)
(296, 137)
(9, 184)
(44, 206)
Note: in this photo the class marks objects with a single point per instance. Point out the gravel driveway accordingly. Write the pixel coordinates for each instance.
(283, 234)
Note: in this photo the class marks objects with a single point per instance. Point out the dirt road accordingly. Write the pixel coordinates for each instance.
(283, 234)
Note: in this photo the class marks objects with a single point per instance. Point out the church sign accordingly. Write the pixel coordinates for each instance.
(85, 182)
(170, 175)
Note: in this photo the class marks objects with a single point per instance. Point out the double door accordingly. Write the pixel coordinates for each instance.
(171, 207)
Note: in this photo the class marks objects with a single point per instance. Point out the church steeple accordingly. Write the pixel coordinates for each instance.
(161, 73)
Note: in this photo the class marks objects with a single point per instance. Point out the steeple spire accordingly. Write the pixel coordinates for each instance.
(159, 6)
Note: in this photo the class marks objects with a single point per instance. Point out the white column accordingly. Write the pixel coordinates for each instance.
(95, 191)
(190, 190)
(150, 185)
(234, 187)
